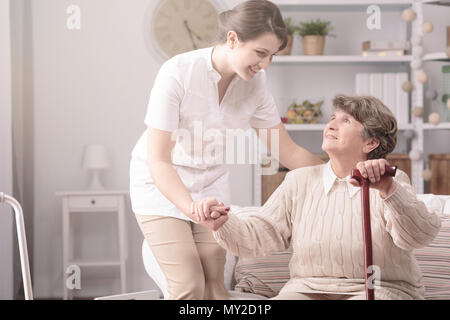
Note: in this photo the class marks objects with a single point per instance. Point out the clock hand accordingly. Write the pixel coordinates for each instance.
(195, 34)
(190, 33)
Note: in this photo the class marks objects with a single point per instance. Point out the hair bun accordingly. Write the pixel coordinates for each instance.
(250, 19)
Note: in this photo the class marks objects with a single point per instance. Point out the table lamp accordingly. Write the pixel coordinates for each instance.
(95, 159)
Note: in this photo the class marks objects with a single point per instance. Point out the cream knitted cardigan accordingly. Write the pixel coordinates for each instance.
(325, 231)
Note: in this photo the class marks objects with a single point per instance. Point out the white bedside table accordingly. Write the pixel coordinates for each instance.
(104, 201)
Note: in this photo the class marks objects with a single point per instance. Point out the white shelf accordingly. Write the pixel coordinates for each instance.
(346, 5)
(339, 59)
(321, 126)
(436, 56)
(440, 126)
(91, 192)
(96, 263)
(305, 127)
(433, 56)
(105, 201)
(344, 2)
(436, 2)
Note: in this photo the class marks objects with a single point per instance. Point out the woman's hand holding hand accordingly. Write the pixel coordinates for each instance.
(374, 171)
(202, 209)
(214, 223)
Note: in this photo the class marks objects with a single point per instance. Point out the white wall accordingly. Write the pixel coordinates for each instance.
(92, 86)
(6, 215)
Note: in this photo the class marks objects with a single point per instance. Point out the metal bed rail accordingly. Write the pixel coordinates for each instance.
(22, 240)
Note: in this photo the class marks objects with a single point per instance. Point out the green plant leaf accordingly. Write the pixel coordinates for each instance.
(290, 27)
(315, 27)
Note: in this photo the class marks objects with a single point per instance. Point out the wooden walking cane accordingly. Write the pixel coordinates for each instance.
(367, 231)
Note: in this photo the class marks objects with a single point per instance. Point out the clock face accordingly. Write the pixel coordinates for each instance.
(183, 25)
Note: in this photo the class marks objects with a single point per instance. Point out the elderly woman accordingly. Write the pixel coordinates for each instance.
(317, 210)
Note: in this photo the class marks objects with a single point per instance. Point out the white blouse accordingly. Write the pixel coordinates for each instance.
(184, 100)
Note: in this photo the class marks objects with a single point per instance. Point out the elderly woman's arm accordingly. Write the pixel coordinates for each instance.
(255, 232)
(407, 219)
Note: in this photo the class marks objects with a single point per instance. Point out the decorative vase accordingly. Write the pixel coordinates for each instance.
(313, 45)
(288, 49)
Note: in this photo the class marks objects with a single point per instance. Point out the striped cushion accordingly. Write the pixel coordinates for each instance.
(264, 276)
(434, 262)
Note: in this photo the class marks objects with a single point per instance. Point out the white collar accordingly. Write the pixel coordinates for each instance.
(214, 74)
(329, 178)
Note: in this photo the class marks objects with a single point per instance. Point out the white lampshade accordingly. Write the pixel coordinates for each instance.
(95, 157)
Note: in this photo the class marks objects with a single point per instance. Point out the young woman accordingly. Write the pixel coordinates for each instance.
(317, 210)
(173, 190)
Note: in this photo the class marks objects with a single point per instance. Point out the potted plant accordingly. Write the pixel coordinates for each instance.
(291, 29)
(313, 35)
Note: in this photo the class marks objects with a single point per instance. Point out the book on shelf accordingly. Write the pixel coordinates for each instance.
(402, 103)
(385, 45)
(448, 36)
(389, 94)
(388, 88)
(376, 85)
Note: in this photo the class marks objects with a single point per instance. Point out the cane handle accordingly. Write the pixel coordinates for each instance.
(388, 171)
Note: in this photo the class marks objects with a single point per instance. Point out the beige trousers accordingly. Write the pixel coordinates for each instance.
(190, 258)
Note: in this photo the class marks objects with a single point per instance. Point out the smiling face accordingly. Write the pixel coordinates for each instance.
(343, 136)
(247, 58)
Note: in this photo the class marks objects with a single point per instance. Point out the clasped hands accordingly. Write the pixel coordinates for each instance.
(210, 213)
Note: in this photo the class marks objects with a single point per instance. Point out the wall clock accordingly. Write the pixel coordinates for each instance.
(176, 26)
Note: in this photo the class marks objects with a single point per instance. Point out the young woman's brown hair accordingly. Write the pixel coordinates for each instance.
(252, 18)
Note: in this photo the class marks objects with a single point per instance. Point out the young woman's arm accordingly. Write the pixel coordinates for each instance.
(159, 146)
(291, 155)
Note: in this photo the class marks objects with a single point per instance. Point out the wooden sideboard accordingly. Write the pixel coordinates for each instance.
(440, 178)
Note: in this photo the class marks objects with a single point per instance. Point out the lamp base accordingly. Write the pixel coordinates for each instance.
(95, 182)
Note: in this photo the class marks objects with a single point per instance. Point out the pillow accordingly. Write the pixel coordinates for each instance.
(436, 203)
(228, 274)
(434, 262)
(263, 276)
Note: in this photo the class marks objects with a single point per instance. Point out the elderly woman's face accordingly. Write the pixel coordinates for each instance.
(343, 135)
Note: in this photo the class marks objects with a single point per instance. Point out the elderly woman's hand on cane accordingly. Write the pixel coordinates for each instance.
(374, 170)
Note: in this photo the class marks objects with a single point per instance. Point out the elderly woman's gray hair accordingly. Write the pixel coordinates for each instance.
(378, 121)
